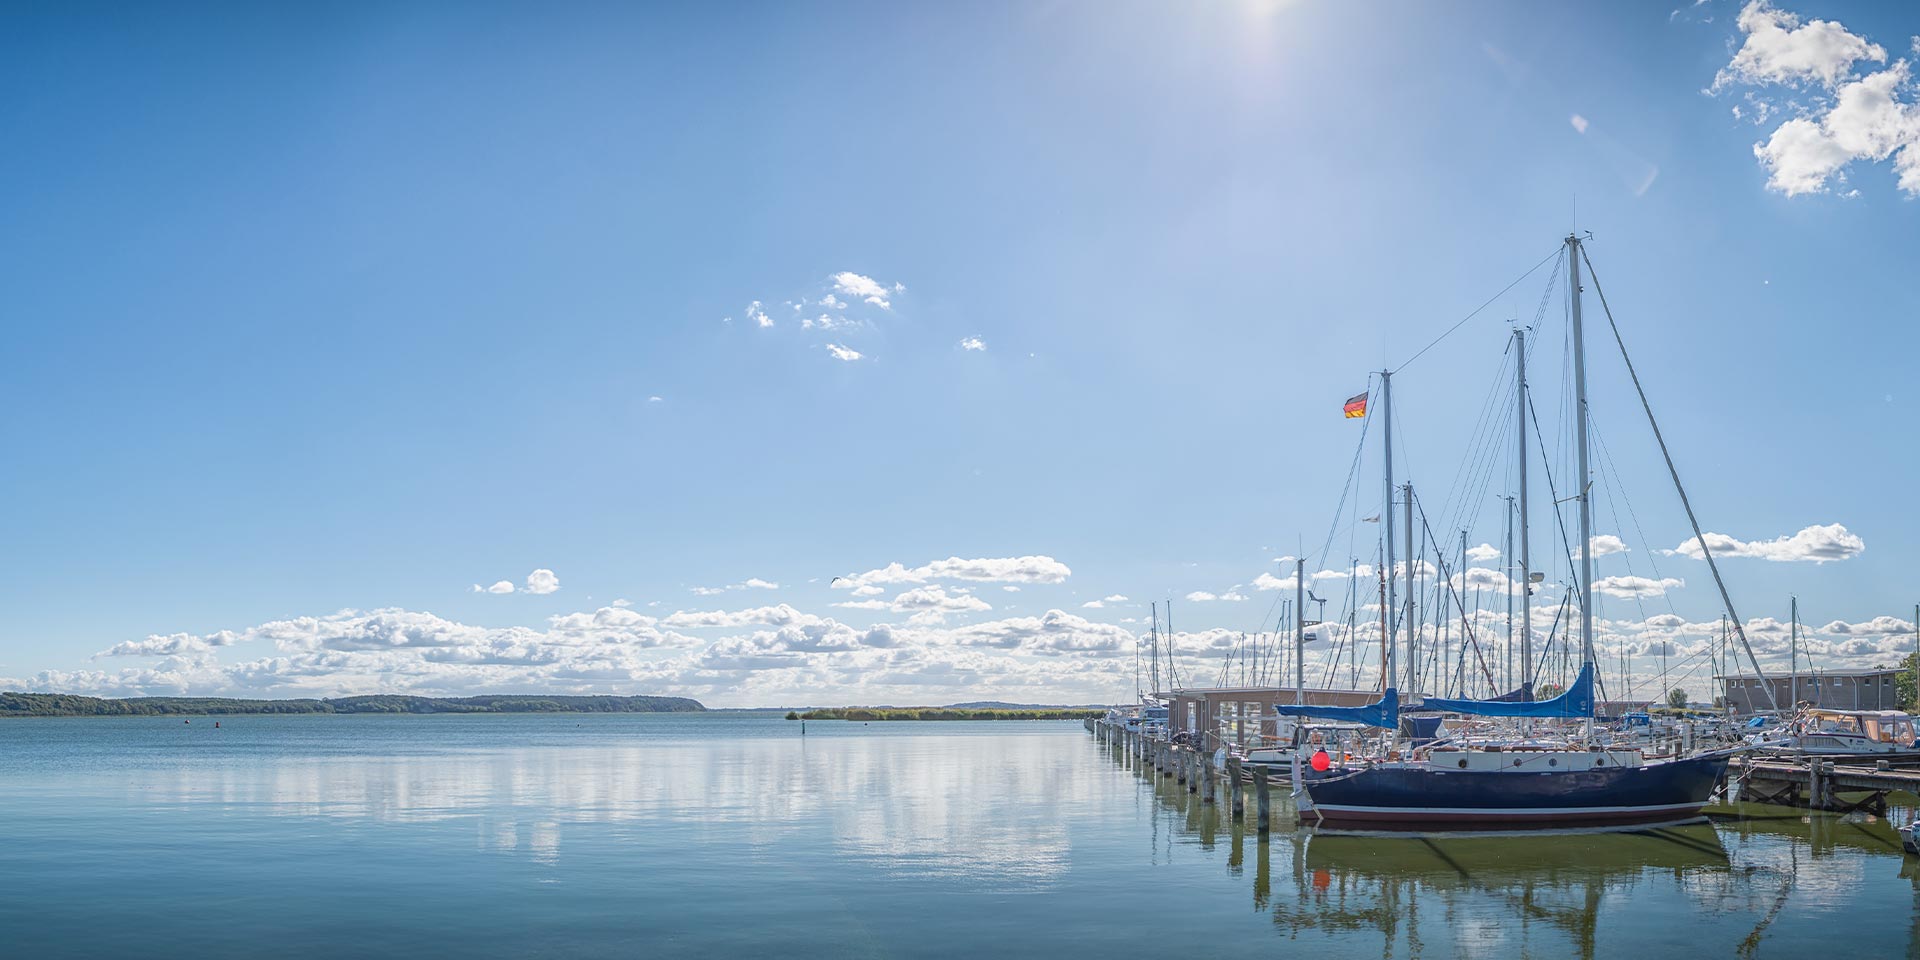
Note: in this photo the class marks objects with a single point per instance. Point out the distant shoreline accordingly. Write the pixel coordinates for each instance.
(70, 705)
(868, 714)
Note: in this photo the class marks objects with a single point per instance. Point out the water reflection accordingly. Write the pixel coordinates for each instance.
(948, 807)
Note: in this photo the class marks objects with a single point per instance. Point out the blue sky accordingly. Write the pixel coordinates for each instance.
(320, 318)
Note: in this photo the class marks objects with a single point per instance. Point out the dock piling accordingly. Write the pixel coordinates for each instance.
(1262, 800)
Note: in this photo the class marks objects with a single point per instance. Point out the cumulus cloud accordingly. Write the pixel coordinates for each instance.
(758, 315)
(751, 583)
(1780, 49)
(864, 288)
(973, 343)
(1483, 553)
(842, 352)
(1631, 587)
(1030, 569)
(542, 581)
(1838, 116)
(1201, 596)
(1604, 544)
(931, 603)
(1819, 544)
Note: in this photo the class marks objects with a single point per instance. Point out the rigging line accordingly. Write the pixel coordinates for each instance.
(1700, 538)
(1476, 310)
(1640, 532)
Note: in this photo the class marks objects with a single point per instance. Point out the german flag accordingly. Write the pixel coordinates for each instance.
(1356, 406)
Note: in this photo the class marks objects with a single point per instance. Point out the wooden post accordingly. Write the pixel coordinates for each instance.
(1209, 781)
(1236, 801)
(1262, 799)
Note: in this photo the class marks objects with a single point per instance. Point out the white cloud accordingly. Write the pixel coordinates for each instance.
(758, 316)
(1116, 598)
(1631, 587)
(751, 583)
(1780, 49)
(1092, 605)
(973, 343)
(1604, 544)
(843, 353)
(1842, 118)
(1819, 544)
(1579, 123)
(1232, 595)
(501, 586)
(1483, 553)
(655, 399)
(832, 301)
(864, 288)
(930, 603)
(777, 615)
(622, 602)
(542, 581)
(1030, 569)
(827, 321)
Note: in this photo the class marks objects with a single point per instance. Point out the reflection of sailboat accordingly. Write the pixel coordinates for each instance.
(1475, 859)
(1381, 884)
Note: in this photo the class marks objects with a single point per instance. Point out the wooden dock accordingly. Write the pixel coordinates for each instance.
(1194, 770)
(1818, 782)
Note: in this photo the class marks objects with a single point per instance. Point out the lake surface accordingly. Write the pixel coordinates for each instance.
(733, 836)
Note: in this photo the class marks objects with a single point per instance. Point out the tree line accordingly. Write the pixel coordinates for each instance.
(71, 705)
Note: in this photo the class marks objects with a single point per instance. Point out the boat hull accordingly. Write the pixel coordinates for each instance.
(1389, 797)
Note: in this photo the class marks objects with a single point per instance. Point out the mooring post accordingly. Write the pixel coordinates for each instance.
(1262, 799)
(1236, 800)
(1209, 781)
(1196, 768)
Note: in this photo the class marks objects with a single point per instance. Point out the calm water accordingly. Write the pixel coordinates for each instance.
(728, 836)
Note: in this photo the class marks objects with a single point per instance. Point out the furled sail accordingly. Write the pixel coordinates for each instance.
(1576, 702)
(1384, 712)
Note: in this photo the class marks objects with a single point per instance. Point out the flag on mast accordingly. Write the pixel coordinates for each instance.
(1356, 406)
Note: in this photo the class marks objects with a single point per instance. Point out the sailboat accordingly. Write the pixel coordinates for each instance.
(1520, 782)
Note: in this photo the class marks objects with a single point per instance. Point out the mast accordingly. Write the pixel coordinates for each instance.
(1386, 519)
(1580, 446)
(1793, 653)
(1526, 564)
(1153, 678)
(1299, 630)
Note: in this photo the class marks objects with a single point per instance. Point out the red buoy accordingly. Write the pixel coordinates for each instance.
(1321, 761)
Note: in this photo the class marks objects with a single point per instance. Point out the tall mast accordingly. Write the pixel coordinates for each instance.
(1153, 678)
(1386, 519)
(1413, 626)
(1793, 653)
(1526, 560)
(1299, 630)
(1580, 444)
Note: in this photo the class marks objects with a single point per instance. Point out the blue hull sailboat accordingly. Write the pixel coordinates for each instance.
(1523, 781)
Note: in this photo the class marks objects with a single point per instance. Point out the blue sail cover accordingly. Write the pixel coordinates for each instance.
(1384, 712)
(1576, 702)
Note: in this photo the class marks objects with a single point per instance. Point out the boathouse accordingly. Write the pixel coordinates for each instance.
(1236, 714)
(1830, 689)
